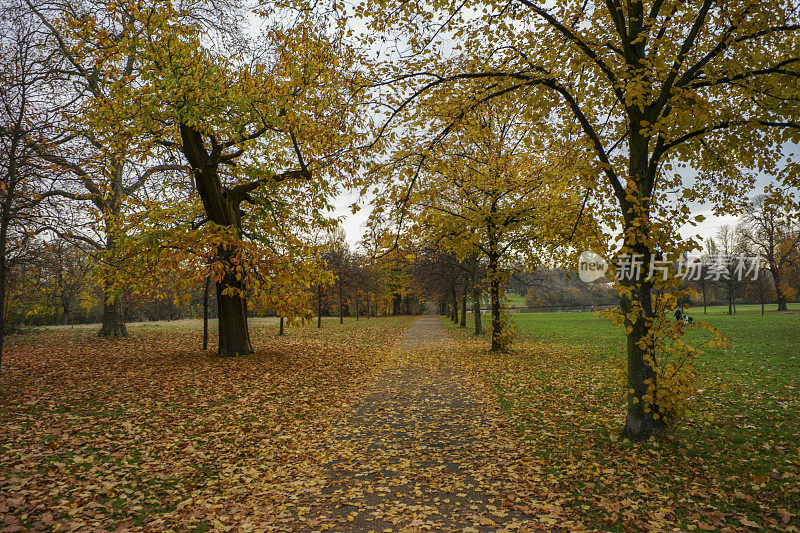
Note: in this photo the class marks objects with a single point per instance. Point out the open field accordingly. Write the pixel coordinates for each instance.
(151, 432)
(734, 463)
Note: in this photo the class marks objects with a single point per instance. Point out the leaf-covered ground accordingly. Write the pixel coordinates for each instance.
(734, 465)
(341, 430)
(151, 432)
(375, 426)
(427, 450)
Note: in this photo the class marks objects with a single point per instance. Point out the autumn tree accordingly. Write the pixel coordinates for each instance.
(256, 135)
(360, 283)
(50, 277)
(98, 142)
(656, 87)
(397, 280)
(502, 184)
(724, 247)
(370, 250)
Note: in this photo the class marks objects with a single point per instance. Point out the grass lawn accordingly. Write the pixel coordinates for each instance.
(733, 464)
(516, 300)
(150, 432)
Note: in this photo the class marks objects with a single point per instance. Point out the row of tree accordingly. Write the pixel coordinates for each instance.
(179, 150)
(540, 129)
(165, 142)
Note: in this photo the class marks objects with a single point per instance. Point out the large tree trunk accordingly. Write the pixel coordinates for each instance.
(65, 314)
(221, 205)
(234, 337)
(776, 279)
(113, 325)
(3, 285)
(640, 422)
(494, 295)
(233, 334)
(5, 220)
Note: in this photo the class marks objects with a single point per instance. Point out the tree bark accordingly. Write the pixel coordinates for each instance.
(280, 328)
(639, 424)
(3, 283)
(234, 336)
(357, 303)
(776, 279)
(113, 325)
(222, 208)
(494, 295)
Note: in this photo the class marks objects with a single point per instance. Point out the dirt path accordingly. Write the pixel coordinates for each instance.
(421, 452)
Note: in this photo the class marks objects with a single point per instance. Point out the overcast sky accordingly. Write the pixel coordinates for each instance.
(354, 224)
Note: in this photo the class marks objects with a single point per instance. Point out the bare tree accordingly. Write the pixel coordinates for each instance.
(768, 230)
(23, 69)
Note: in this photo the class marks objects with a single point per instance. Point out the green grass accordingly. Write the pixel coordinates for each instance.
(516, 300)
(735, 458)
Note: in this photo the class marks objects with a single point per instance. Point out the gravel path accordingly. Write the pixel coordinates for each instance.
(421, 452)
